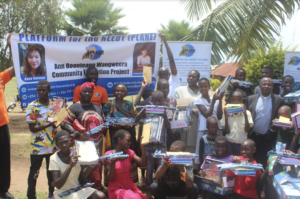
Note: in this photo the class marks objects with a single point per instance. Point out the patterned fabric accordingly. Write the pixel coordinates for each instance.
(72, 181)
(118, 109)
(42, 142)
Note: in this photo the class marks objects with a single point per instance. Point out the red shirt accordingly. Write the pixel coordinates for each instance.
(245, 185)
(4, 77)
(99, 95)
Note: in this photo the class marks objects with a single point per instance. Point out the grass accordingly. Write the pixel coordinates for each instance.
(20, 144)
(23, 195)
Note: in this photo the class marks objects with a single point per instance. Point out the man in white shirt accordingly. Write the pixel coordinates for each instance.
(164, 73)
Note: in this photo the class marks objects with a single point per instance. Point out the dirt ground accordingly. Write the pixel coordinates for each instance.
(20, 155)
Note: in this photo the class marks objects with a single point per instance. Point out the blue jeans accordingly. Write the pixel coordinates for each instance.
(234, 148)
(149, 149)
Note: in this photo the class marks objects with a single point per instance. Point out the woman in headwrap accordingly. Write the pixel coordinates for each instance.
(84, 116)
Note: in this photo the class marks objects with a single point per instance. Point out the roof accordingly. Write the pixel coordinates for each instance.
(226, 69)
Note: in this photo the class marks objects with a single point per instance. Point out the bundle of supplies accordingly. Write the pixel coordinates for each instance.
(121, 120)
(114, 155)
(286, 186)
(66, 193)
(224, 84)
(242, 83)
(234, 108)
(292, 97)
(154, 109)
(283, 122)
(87, 152)
(181, 120)
(296, 120)
(183, 158)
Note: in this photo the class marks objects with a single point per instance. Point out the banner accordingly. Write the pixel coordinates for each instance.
(189, 55)
(63, 61)
(292, 67)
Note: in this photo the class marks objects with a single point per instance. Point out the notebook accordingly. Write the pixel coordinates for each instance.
(87, 151)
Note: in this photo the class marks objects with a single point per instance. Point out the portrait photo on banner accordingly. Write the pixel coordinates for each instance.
(143, 55)
(32, 61)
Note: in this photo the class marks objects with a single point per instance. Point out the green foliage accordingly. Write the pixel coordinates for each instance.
(273, 57)
(93, 18)
(215, 84)
(174, 31)
(238, 28)
(27, 16)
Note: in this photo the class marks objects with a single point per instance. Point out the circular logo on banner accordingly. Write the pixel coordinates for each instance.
(93, 52)
(23, 90)
(187, 50)
(97, 95)
(295, 61)
(24, 105)
(24, 97)
(109, 84)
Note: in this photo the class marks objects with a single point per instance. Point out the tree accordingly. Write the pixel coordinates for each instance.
(274, 57)
(174, 31)
(238, 28)
(27, 16)
(93, 18)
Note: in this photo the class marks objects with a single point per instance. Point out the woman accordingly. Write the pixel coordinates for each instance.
(84, 116)
(192, 92)
(66, 171)
(34, 62)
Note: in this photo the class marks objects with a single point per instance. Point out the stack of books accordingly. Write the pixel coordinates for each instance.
(292, 97)
(121, 120)
(114, 155)
(286, 155)
(234, 108)
(242, 83)
(224, 84)
(153, 109)
(66, 193)
(182, 158)
(233, 166)
(244, 172)
(152, 129)
(283, 122)
(296, 120)
(87, 152)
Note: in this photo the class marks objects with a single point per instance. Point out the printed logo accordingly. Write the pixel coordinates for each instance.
(24, 104)
(109, 84)
(187, 50)
(93, 52)
(24, 97)
(23, 90)
(97, 94)
(295, 61)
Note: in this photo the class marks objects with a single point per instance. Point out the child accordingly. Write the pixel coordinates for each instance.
(240, 74)
(237, 125)
(207, 106)
(157, 99)
(171, 183)
(66, 172)
(284, 135)
(246, 187)
(221, 153)
(207, 142)
(42, 137)
(120, 185)
(287, 86)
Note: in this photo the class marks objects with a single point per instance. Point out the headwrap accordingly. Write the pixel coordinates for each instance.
(87, 84)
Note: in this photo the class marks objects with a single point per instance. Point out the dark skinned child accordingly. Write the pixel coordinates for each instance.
(157, 99)
(237, 125)
(66, 171)
(120, 183)
(287, 85)
(221, 153)
(171, 183)
(247, 187)
(240, 74)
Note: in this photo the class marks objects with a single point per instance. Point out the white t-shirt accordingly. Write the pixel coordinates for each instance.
(143, 60)
(202, 119)
(173, 84)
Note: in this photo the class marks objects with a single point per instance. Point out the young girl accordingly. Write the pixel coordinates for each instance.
(120, 184)
(221, 153)
(66, 171)
(207, 106)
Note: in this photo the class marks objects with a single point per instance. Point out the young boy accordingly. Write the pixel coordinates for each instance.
(157, 99)
(237, 125)
(246, 187)
(171, 183)
(42, 138)
(240, 74)
(287, 86)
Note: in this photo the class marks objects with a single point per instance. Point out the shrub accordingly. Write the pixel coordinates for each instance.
(215, 83)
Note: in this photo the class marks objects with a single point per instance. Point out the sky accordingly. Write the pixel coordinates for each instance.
(145, 16)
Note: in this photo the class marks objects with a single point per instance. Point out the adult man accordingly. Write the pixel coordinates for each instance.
(5, 77)
(100, 96)
(263, 108)
(42, 137)
(240, 74)
(268, 72)
(163, 72)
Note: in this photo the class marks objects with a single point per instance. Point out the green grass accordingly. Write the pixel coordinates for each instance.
(20, 144)
(22, 195)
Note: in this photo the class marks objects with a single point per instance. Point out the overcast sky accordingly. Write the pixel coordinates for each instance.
(143, 16)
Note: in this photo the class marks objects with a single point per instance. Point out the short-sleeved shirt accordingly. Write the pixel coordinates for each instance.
(173, 84)
(4, 77)
(118, 109)
(202, 119)
(143, 60)
(99, 95)
(42, 142)
(285, 135)
(236, 123)
(172, 175)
